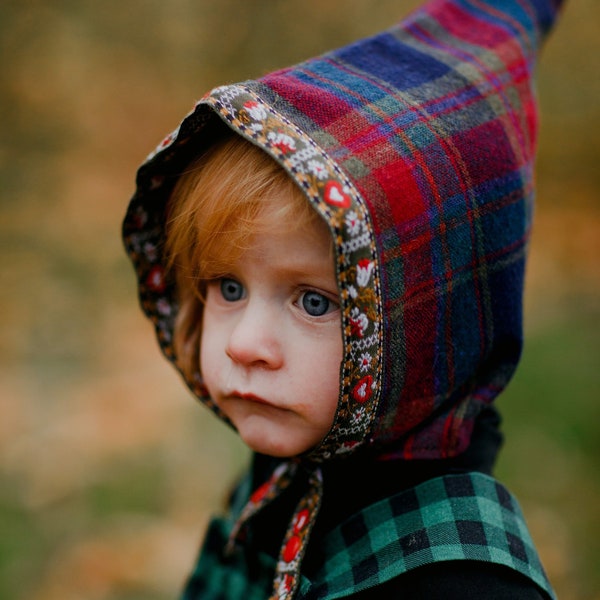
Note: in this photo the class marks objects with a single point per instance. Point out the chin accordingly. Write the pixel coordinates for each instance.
(275, 448)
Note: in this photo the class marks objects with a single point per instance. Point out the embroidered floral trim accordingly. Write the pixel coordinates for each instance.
(295, 542)
(280, 479)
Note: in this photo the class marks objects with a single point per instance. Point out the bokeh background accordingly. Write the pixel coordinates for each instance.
(108, 469)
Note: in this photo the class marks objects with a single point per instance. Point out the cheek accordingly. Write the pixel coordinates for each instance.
(209, 364)
(323, 373)
(337, 357)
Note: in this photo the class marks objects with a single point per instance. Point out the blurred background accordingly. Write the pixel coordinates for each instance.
(108, 469)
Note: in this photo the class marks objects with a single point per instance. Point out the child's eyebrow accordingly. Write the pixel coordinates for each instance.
(309, 270)
(303, 268)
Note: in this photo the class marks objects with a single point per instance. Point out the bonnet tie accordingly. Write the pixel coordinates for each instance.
(295, 540)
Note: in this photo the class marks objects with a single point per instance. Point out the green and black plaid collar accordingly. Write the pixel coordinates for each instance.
(454, 517)
(469, 516)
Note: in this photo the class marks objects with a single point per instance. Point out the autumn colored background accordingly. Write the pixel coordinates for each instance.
(108, 469)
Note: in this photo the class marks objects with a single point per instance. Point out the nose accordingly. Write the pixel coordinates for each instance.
(255, 338)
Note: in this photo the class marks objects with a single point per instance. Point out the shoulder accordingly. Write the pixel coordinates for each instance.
(457, 534)
(456, 580)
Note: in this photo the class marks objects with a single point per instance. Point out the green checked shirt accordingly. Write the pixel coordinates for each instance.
(468, 517)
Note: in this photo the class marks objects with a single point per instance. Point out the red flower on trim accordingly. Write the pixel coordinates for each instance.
(166, 141)
(288, 582)
(156, 279)
(335, 195)
(292, 548)
(358, 323)
(260, 492)
(363, 389)
(301, 520)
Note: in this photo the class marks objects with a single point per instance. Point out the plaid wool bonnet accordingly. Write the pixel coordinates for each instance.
(416, 146)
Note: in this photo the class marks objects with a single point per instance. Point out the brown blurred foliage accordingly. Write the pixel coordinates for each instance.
(107, 469)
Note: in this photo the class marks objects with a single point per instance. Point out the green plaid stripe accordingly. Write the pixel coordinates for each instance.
(234, 576)
(457, 517)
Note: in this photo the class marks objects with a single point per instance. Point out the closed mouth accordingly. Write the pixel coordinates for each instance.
(251, 398)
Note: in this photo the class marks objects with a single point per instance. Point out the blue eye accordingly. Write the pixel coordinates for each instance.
(315, 304)
(231, 290)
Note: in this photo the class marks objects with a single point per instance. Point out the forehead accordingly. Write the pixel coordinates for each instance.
(297, 250)
(283, 217)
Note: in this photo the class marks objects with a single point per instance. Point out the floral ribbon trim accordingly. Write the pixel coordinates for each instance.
(280, 479)
(287, 572)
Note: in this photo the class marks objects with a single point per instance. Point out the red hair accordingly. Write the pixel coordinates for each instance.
(226, 196)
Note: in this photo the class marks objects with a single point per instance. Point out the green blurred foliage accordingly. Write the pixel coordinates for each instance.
(107, 470)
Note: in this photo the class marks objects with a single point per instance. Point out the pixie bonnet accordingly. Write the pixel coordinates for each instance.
(416, 146)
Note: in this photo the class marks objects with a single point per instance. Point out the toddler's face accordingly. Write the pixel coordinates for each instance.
(271, 342)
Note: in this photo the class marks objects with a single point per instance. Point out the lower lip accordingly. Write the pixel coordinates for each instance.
(252, 398)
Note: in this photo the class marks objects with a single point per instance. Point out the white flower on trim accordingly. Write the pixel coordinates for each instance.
(150, 251)
(256, 110)
(365, 362)
(317, 168)
(358, 322)
(283, 141)
(359, 414)
(163, 307)
(363, 271)
(353, 223)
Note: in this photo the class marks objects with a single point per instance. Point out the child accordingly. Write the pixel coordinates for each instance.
(333, 258)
